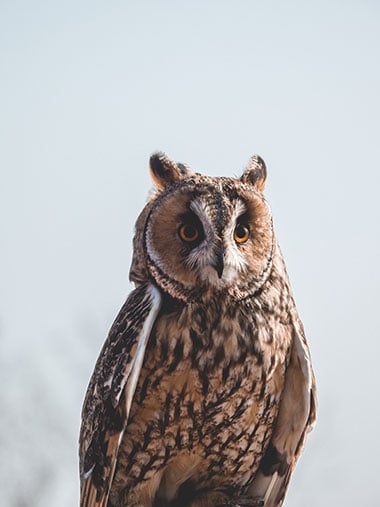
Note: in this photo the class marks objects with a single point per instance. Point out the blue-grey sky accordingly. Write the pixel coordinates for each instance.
(87, 91)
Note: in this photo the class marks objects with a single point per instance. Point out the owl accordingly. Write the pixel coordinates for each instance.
(203, 393)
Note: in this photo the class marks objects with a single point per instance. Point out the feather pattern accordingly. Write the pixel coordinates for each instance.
(110, 393)
(296, 417)
(204, 392)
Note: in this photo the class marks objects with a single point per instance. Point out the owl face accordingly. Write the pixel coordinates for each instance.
(207, 235)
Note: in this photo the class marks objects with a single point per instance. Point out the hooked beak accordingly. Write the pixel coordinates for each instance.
(218, 263)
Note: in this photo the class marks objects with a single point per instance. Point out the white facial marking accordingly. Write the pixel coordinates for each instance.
(152, 252)
(234, 261)
(200, 208)
(202, 255)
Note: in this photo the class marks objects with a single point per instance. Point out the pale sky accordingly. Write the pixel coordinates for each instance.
(88, 90)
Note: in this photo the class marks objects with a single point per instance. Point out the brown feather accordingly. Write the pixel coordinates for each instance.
(110, 392)
(296, 417)
(216, 406)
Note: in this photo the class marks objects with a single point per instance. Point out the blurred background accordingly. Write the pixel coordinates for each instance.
(87, 91)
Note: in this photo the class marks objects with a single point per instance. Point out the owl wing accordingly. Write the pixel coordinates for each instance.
(296, 417)
(110, 393)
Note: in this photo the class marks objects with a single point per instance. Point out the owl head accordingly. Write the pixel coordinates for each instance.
(200, 235)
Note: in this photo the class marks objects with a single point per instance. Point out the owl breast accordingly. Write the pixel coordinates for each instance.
(205, 403)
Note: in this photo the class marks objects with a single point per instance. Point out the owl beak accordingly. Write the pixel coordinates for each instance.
(218, 264)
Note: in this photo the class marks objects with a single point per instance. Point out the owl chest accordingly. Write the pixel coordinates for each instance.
(206, 375)
(204, 407)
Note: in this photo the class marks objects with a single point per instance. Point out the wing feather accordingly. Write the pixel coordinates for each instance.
(110, 393)
(296, 417)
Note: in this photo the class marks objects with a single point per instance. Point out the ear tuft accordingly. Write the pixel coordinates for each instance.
(165, 172)
(255, 173)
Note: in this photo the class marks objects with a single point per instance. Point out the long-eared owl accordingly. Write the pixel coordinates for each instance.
(203, 392)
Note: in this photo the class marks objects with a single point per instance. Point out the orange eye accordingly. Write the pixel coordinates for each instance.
(188, 233)
(241, 233)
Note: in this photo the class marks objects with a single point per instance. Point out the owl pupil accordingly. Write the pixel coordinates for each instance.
(189, 231)
(241, 231)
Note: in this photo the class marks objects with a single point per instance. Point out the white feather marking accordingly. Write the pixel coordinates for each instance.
(234, 259)
(152, 252)
(200, 208)
(202, 255)
(87, 474)
(142, 341)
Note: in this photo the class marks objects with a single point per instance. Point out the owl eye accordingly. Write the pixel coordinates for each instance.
(241, 233)
(188, 233)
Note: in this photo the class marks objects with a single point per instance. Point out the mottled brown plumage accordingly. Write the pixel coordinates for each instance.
(203, 392)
